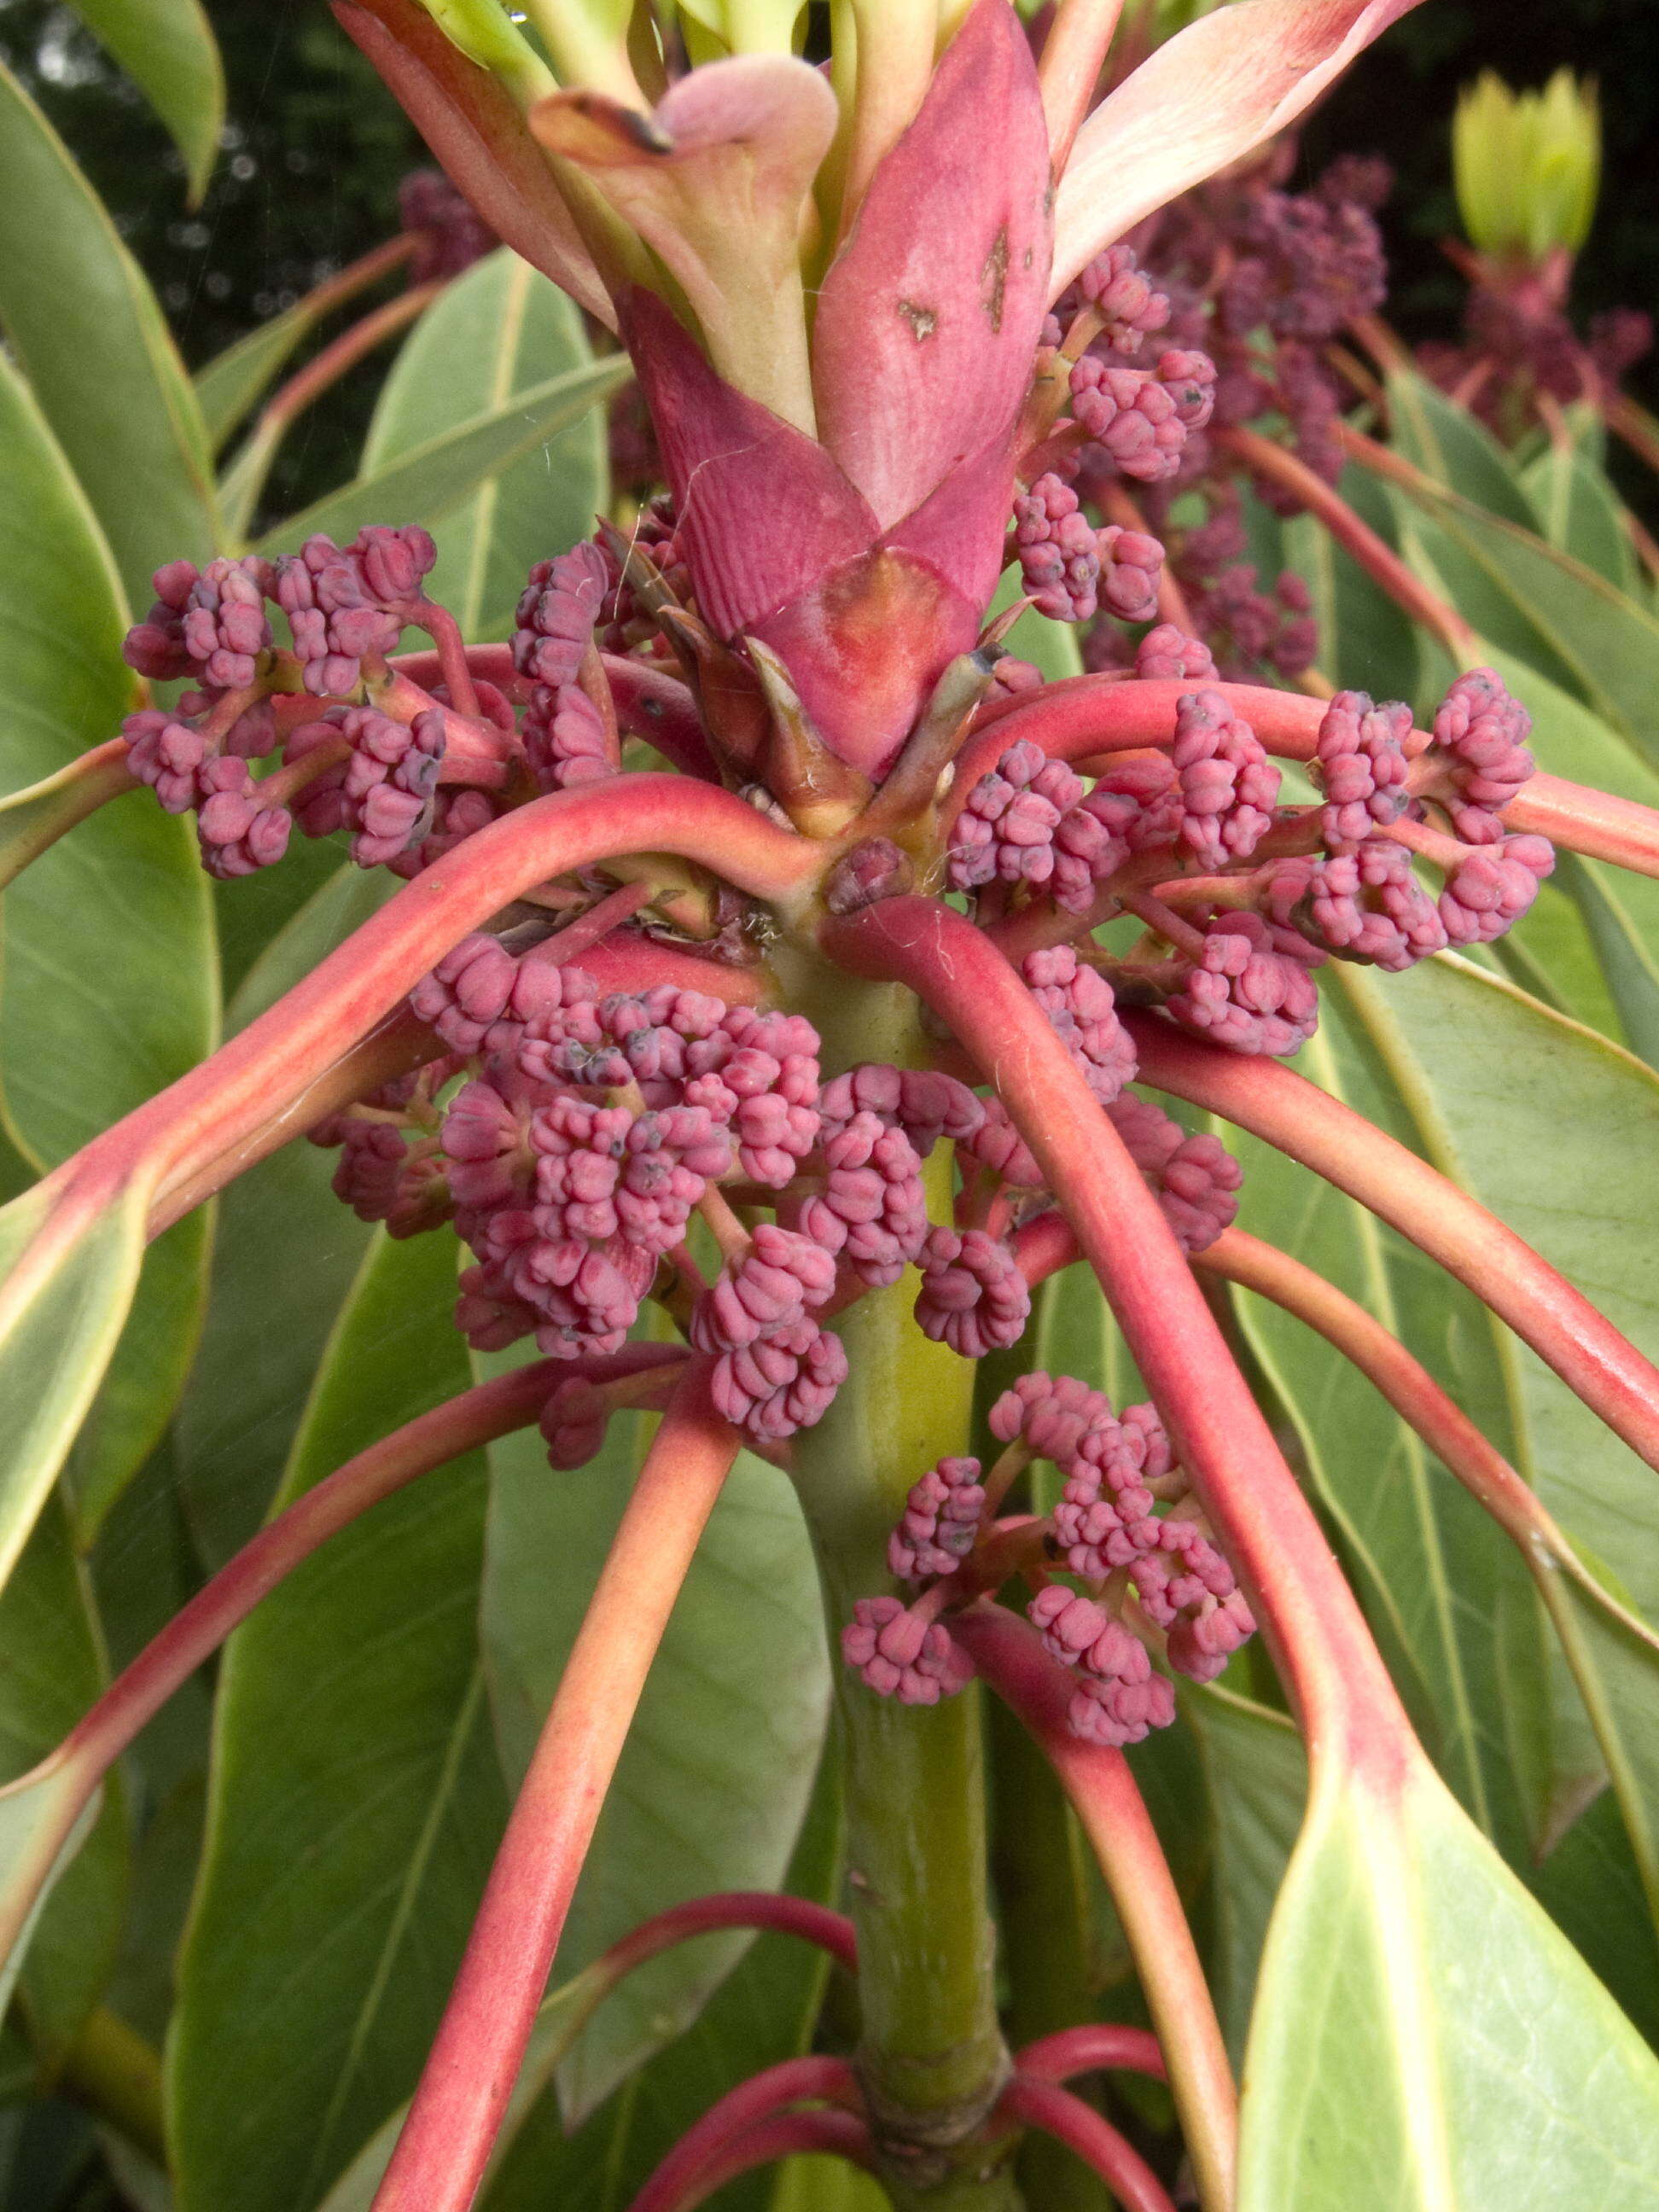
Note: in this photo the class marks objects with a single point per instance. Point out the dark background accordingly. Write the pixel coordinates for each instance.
(315, 149)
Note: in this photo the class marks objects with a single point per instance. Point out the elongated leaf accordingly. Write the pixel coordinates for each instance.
(167, 47)
(1426, 2037)
(500, 331)
(1447, 1594)
(51, 1670)
(1559, 616)
(107, 988)
(1608, 900)
(1579, 512)
(88, 332)
(286, 1256)
(428, 482)
(712, 1786)
(1493, 1079)
(354, 1802)
(64, 1293)
(1257, 1776)
(1447, 441)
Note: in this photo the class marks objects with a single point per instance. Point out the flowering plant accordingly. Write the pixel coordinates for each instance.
(749, 972)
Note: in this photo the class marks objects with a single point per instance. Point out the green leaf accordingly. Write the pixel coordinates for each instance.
(286, 1252)
(354, 1802)
(1257, 1776)
(429, 481)
(66, 1283)
(1446, 1593)
(1426, 2037)
(498, 331)
(711, 1787)
(92, 340)
(1556, 614)
(51, 1670)
(167, 47)
(1579, 512)
(108, 989)
(1491, 1080)
(1445, 441)
(1366, 642)
(1608, 900)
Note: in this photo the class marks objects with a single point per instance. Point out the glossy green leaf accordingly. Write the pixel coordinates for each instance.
(108, 989)
(167, 47)
(99, 354)
(1447, 441)
(1448, 1596)
(285, 1258)
(1579, 511)
(1257, 1776)
(64, 1295)
(1366, 643)
(354, 1802)
(712, 1786)
(499, 331)
(1558, 615)
(1424, 2036)
(1591, 1887)
(1609, 901)
(429, 481)
(51, 1670)
(1491, 1080)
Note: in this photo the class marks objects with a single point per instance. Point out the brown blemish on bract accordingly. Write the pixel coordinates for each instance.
(994, 278)
(923, 321)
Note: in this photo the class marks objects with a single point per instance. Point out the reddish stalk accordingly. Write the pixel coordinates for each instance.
(659, 708)
(256, 1077)
(1634, 425)
(445, 2143)
(461, 1425)
(1284, 1109)
(1057, 2112)
(1083, 715)
(1009, 1653)
(722, 2127)
(492, 663)
(1263, 458)
(825, 2129)
(1097, 2045)
(326, 368)
(767, 1909)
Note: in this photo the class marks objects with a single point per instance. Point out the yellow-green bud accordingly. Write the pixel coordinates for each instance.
(1527, 166)
(749, 27)
(486, 33)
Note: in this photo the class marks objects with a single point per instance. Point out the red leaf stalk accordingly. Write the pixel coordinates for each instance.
(1083, 716)
(784, 2135)
(1378, 559)
(1095, 2046)
(337, 358)
(445, 2145)
(764, 1909)
(1284, 1109)
(434, 1439)
(1009, 1653)
(724, 2125)
(1057, 2112)
(261, 1071)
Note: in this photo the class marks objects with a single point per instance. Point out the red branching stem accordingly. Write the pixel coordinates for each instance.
(824, 2129)
(1009, 1653)
(1083, 715)
(657, 707)
(446, 633)
(1220, 1435)
(796, 2081)
(431, 1441)
(493, 663)
(1073, 55)
(1378, 559)
(1097, 2045)
(1057, 2112)
(254, 1078)
(764, 1909)
(445, 2142)
(601, 918)
(307, 385)
(78, 789)
(1284, 1110)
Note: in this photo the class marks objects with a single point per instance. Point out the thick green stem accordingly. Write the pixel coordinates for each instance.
(932, 2060)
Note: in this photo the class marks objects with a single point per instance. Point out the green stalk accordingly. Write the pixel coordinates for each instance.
(931, 2058)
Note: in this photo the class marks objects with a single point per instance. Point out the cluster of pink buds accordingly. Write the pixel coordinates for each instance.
(1243, 898)
(1154, 1580)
